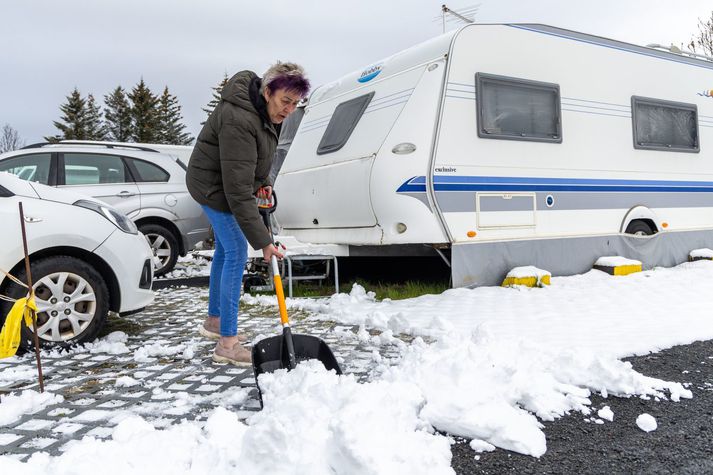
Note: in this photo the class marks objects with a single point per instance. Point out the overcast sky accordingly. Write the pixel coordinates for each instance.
(51, 46)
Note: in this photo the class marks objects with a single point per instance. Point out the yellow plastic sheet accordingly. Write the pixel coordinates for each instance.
(10, 334)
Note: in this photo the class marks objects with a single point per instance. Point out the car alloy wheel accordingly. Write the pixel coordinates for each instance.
(163, 245)
(161, 250)
(66, 305)
(72, 300)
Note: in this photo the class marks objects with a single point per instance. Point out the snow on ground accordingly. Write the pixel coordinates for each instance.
(504, 360)
(194, 264)
(611, 315)
(646, 422)
(13, 406)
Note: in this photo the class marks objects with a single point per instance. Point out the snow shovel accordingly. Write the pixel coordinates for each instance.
(286, 350)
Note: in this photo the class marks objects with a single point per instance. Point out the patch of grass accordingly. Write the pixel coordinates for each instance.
(383, 290)
(116, 323)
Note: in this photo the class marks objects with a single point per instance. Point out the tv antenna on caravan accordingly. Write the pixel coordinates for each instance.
(465, 14)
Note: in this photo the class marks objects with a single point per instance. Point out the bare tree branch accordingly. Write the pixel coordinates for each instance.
(10, 140)
(703, 41)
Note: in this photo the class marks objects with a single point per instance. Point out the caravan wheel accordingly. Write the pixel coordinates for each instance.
(639, 228)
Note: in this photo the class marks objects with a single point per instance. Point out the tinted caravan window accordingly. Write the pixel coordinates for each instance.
(517, 109)
(288, 132)
(340, 127)
(664, 125)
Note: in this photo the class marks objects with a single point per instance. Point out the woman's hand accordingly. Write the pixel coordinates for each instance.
(265, 192)
(269, 251)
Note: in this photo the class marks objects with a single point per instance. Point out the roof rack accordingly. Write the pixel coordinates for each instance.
(91, 144)
(682, 52)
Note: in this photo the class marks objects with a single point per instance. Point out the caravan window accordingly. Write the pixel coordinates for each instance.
(664, 125)
(517, 109)
(342, 124)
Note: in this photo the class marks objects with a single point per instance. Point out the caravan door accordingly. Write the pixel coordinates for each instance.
(327, 173)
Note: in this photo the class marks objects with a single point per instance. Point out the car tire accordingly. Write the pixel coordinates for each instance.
(67, 316)
(164, 246)
(639, 228)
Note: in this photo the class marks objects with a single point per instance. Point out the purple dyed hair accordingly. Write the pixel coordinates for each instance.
(290, 82)
(287, 76)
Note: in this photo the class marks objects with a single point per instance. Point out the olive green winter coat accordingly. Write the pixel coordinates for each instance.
(233, 155)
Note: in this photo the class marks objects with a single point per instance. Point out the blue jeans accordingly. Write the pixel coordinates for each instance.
(226, 272)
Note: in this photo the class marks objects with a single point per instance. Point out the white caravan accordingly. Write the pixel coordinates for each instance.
(512, 144)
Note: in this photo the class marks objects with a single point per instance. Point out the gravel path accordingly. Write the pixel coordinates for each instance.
(682, 443)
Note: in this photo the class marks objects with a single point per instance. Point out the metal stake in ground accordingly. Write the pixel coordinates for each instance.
(32, 295)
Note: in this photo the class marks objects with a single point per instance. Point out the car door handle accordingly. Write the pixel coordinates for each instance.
(32, 219)
(125, 194)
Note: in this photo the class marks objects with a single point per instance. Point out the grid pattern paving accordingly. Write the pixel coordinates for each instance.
(163, 372)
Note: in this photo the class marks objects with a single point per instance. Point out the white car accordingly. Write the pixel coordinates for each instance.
(86, 259)
(145, 182)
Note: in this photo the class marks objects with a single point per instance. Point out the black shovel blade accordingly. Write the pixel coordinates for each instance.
(271, 354)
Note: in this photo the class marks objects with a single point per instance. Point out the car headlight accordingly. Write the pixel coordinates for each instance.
(119, 220)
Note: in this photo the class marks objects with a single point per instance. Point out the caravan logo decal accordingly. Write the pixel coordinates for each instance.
(707, 93)
(370, 73)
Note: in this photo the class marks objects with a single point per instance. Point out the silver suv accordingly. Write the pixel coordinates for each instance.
(142, 181)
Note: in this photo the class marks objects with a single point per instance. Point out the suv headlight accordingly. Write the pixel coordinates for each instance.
(119, 220)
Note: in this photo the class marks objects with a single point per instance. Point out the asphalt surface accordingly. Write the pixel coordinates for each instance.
(682, 443)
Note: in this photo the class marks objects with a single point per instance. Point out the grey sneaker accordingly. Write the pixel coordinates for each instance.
(237, 355)
(211, 329)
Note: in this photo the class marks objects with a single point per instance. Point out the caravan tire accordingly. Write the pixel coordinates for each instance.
(639, 228)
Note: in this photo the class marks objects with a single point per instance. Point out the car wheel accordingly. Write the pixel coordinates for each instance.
(72, 302)
(639, 228)
(164, 246)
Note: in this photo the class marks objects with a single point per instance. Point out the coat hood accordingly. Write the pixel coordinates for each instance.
(243, 90)
(237, 90)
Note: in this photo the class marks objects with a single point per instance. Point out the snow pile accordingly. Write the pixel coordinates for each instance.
(606, 413)
(350, 427)
(492, 390)
(704, 253)
(615, 261)
(313, 422)
(114, 344)
(317, 422)
(13, 407)
(528, 271)
(646, 422)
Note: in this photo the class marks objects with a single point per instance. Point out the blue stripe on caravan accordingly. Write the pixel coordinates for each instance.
(494, 183)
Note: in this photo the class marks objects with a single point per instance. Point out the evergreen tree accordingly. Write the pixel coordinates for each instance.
(96, 130)
(117, 114)
(170, 128)
(73, 123)
(215, 100)
(144, 117)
